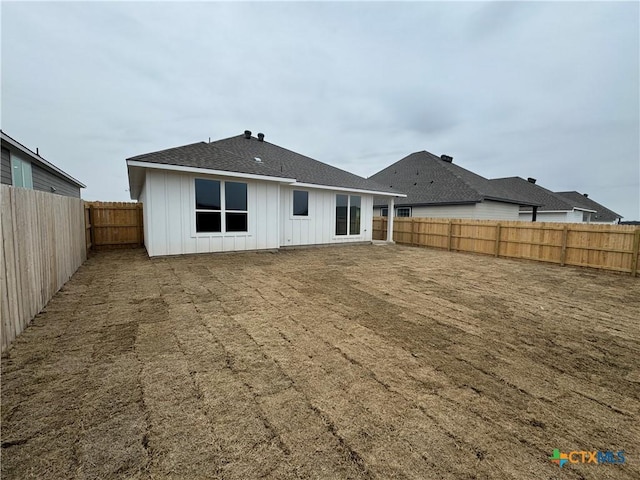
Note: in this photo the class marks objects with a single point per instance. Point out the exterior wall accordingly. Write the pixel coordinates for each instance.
(43, 180)
(320, 226)
(487, 210)
(5, 171)
(146, 220)
(169, 216)
(561, 217)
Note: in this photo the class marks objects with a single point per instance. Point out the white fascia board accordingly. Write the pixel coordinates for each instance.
(585, 210)
(207, 171)
(344, 189)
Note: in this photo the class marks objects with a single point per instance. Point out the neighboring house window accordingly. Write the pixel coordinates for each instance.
(403, 212)
(586, 217)
(21, 175)
(300, 203)
(348, 213)
(400, 211)
(212, 215)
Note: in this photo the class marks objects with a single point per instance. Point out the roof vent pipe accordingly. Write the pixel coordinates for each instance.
(446, 158)
(247, 134)
(261, 137)
(531, 180)
(586, 195)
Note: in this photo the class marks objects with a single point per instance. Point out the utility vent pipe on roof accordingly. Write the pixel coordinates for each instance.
(531, 180)
(247, 134)
(446, 158)
(257, 159)
(261, 137)
(586, 195)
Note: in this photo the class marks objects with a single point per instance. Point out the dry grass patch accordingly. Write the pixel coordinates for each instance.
(352, 362)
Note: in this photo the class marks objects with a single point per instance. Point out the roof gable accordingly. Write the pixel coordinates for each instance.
(429, 180)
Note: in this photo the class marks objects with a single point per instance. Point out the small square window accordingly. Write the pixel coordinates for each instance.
(300, 203)
(403, 212)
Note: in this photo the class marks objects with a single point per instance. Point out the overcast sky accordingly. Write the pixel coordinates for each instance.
(547, 90)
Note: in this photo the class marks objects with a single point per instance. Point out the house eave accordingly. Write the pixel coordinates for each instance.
(347, 189)
(208, 171)
(33, 156)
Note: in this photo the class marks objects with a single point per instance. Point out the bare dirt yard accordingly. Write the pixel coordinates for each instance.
(331, 363)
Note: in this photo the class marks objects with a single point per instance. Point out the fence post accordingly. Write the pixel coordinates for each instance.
(563, 255)
(413, 232)
(636, 249)
(450, 236)
(92, 222)
(498, 227)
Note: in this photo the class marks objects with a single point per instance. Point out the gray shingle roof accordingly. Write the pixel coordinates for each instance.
(237, 154)
(603, 214)
(429, 180)
(207, 155)
(547, 200)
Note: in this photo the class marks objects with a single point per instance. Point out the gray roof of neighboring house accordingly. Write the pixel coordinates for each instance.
(603, 214)
(9, 142)
(238, 154)
(429, 180)
(547, 200)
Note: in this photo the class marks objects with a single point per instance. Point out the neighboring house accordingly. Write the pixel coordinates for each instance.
(24, 168)
(243, 193)
(602, 215)
(436, 187)
(553, 207)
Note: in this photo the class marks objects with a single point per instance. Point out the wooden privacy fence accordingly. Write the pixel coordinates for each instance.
(43, 244)
(111, 225)
(607, 247)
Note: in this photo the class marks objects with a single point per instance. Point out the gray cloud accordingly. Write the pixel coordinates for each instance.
(508, 88)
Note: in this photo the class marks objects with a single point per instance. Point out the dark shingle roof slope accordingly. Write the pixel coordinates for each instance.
(206, 155)
(295, 165)
(238, 154)
(429, 180)
(548, 201)
(603, 214)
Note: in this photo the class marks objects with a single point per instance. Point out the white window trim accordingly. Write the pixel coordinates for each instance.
(301, 217)
(348, 235)
(223, 221)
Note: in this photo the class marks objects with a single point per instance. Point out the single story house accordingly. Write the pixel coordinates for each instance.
(244, 193)
(602, 215)
(553, 207)
(22, 167)
(438, 188)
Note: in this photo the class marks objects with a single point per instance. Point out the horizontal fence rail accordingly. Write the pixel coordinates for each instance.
(112, 225)
(607, 247)
(43, 244)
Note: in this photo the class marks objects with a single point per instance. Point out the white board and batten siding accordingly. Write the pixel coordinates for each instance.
(319, 227)
(486, 210)
(169, 216)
